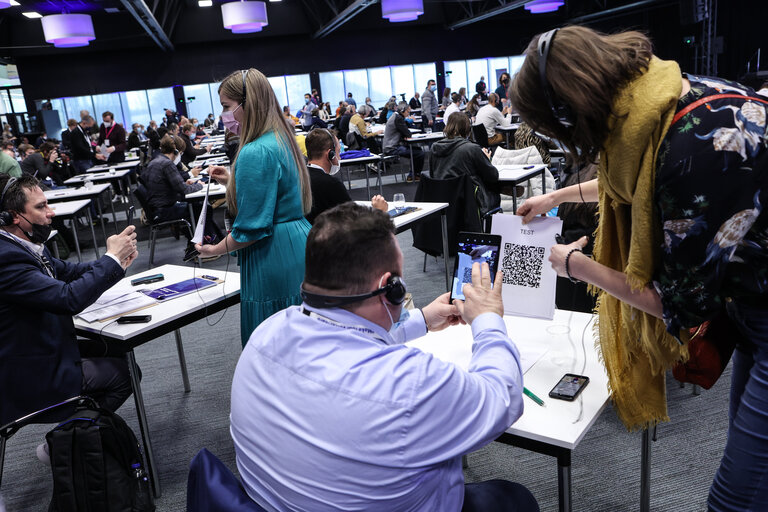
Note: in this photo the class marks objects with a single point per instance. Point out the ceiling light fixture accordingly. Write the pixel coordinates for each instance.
(244, 17)
(401, 10)
(205, 3)
(542, 6)
(5, 4)
(68, 30)
(32, 15)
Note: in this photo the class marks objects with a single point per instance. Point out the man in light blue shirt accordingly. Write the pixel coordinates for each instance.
(331, 411)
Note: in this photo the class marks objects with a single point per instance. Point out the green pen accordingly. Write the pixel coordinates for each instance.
(533, 397)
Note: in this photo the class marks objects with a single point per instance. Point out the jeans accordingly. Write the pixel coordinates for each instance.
(498, 496)
(106, 378)
(405, 152)
(741, 482)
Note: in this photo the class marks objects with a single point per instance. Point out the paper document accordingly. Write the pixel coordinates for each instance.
(198, 238)
(528, 277)
(114, 303)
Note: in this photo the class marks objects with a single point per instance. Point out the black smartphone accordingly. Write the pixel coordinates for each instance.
(569, 387)
(131, 212)
(190, 253)
(135, 319)
(396, 212)
(147, 279)
(474, 248)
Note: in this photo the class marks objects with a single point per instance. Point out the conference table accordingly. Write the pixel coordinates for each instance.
(423, 211)
(112, 176)
(568, 347)
(422, 138)
(167, 317)
(507, 131)
(128, 164)
(92, 192)
(515, 174)
(69, 210)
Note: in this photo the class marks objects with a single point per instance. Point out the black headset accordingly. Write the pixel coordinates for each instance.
(332, 152)
(560, 111)
(394, 291)
(6, 217)
(245, 73)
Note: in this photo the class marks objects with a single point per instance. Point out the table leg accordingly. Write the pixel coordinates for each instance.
(182, 361)
(410, 150)
(444, 228)
(367, 183)
(114, 217)
(544, 181)
(55, 249)
(382, 172)
(645, 472)
(506, 139)
(149, 454)
(127, 202)
(93, 233)
(74, 234)
(564, 481)
(101, 216)
(514, 197)
(191, 212)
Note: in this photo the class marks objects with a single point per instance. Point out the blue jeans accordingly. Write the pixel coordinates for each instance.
(498, 496)
(741, 482)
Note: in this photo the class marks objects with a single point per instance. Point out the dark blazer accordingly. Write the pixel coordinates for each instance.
(39, 357)
(81, 148)
(327, 192)
(190, 153)
(133, 140)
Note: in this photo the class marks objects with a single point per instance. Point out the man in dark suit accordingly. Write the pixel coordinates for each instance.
(80, 144)
(41, 362)
(323, 162)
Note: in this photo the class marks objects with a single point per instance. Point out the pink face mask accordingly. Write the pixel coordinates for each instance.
(229, 121)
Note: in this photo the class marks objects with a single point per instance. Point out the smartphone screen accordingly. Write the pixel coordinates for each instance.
(474, 248)
(131, 212)
(569, 387)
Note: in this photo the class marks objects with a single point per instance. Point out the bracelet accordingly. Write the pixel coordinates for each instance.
(567, 270)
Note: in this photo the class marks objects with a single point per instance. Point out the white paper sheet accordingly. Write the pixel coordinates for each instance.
(198, 238)
(528, 277)
(114, 303)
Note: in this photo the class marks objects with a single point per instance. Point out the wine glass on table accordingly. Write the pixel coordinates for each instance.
(398, 202)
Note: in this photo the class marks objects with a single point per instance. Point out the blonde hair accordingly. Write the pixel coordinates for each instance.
(262, 114)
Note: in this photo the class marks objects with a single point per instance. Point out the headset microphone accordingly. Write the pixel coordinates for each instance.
(394, 291)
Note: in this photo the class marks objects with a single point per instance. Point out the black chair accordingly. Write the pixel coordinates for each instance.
(52, 414)
(155, 224)
(480, 135)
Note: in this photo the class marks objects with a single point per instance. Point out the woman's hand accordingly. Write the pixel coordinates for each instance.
(559, 252)
(536, 205)
(219, 173)
(379, 203)
(206, 251)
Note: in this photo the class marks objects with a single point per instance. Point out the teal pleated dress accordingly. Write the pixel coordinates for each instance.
(270, 215)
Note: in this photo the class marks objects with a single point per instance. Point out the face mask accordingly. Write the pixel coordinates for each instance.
(306, 100)
(107, 125)
(433, 88)
(40, 232)
(335, 169)
(230, 123)
(177, 159)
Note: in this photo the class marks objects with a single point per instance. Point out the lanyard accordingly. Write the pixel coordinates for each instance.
(110, 131)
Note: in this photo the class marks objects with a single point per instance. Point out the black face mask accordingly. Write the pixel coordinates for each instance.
(40, 232)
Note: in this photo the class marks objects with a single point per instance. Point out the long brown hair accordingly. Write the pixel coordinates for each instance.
(262, 114)
(585, 69)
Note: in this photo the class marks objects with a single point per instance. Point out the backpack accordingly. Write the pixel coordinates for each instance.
(97, 465)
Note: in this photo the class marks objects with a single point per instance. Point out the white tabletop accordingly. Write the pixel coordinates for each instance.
(212, 155)
(64, 194)
(403, 222)
(519, 172)
(423, 137)
(217, 189)
(164, 312)
(360, 160)
(560, 423)
(122, 165)
(510, 128)
(97, 176)
(69, 207)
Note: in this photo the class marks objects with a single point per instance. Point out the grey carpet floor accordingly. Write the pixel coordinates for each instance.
(606, 465)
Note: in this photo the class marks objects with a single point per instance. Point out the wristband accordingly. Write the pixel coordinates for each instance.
(567, 270)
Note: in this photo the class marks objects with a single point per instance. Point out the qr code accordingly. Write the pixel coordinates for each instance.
(521, 265)
(467, 275)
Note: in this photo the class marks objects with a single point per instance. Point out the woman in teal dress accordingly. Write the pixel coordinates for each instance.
(268, 194)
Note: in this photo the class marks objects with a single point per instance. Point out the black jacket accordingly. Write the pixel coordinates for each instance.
(190, 152)
(81, 148)
(453, 157)
(133, 140)
(414, 103)
(164, 184)
(327, 192)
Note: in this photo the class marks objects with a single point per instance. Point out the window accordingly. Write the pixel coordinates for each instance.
(278, 86)
(5, 102)
(135, 107)
(402, 81)
(456, 74)
(159, 100)
(422, 74)
(380, 85)
(78, 103)
(297, 86)
(214, 89)
(332, 88)
(356, 82)
(498, 66)
(199, 103)
(476, 69)
(17, 100)
(58, 105)
(515, 63)
(109, 102)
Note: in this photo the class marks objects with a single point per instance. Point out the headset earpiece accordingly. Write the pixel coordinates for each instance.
(6, 217)
(245, 74)
(561, 112)
(332, 152)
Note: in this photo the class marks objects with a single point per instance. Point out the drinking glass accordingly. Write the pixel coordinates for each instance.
(398, 202)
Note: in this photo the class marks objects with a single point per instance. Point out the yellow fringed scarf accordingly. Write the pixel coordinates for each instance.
(635, 346)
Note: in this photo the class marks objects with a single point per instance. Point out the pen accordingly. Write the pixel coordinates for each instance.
(533, 397)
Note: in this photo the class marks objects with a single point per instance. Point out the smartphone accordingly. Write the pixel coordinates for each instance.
(190, 253)
(569, 387)
(147, 279)
(131, 212)
(396, 212)
(136, 319)
(474, 248)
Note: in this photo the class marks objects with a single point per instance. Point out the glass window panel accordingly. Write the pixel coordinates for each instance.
(402, 81)
(109, 102)
(498, 66)
(515, 63)
(78, 103)
(297, 86)
(214, 89)
(476, 69)
(457, 78)
(424, 73)
(201, 106)
(135, 108)
(159, 100)
(5, 102)
(278, 86)
(380, 85)
(356, 82)
(58, 105)
(332, 88)
(17, 100)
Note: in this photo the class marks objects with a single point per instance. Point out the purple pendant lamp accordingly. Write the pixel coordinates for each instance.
(542, 6)
(401, 10)
(68, 30)
(244, 17)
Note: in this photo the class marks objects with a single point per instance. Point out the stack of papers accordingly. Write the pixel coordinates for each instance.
(115, 303)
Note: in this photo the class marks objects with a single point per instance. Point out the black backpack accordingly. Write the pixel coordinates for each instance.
(97, 465)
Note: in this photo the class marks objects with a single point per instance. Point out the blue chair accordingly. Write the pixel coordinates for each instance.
(211, 487)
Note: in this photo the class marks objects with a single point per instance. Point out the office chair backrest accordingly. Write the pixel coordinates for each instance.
(480, 134)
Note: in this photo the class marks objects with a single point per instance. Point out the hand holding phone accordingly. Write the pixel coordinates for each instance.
(131, 212)
(474, 248)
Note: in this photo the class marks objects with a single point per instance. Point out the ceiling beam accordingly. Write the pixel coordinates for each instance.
(508, 6)
(344, 16)
(619, 10)
(148, 22)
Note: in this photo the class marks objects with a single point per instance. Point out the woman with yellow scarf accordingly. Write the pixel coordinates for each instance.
(683, 166)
